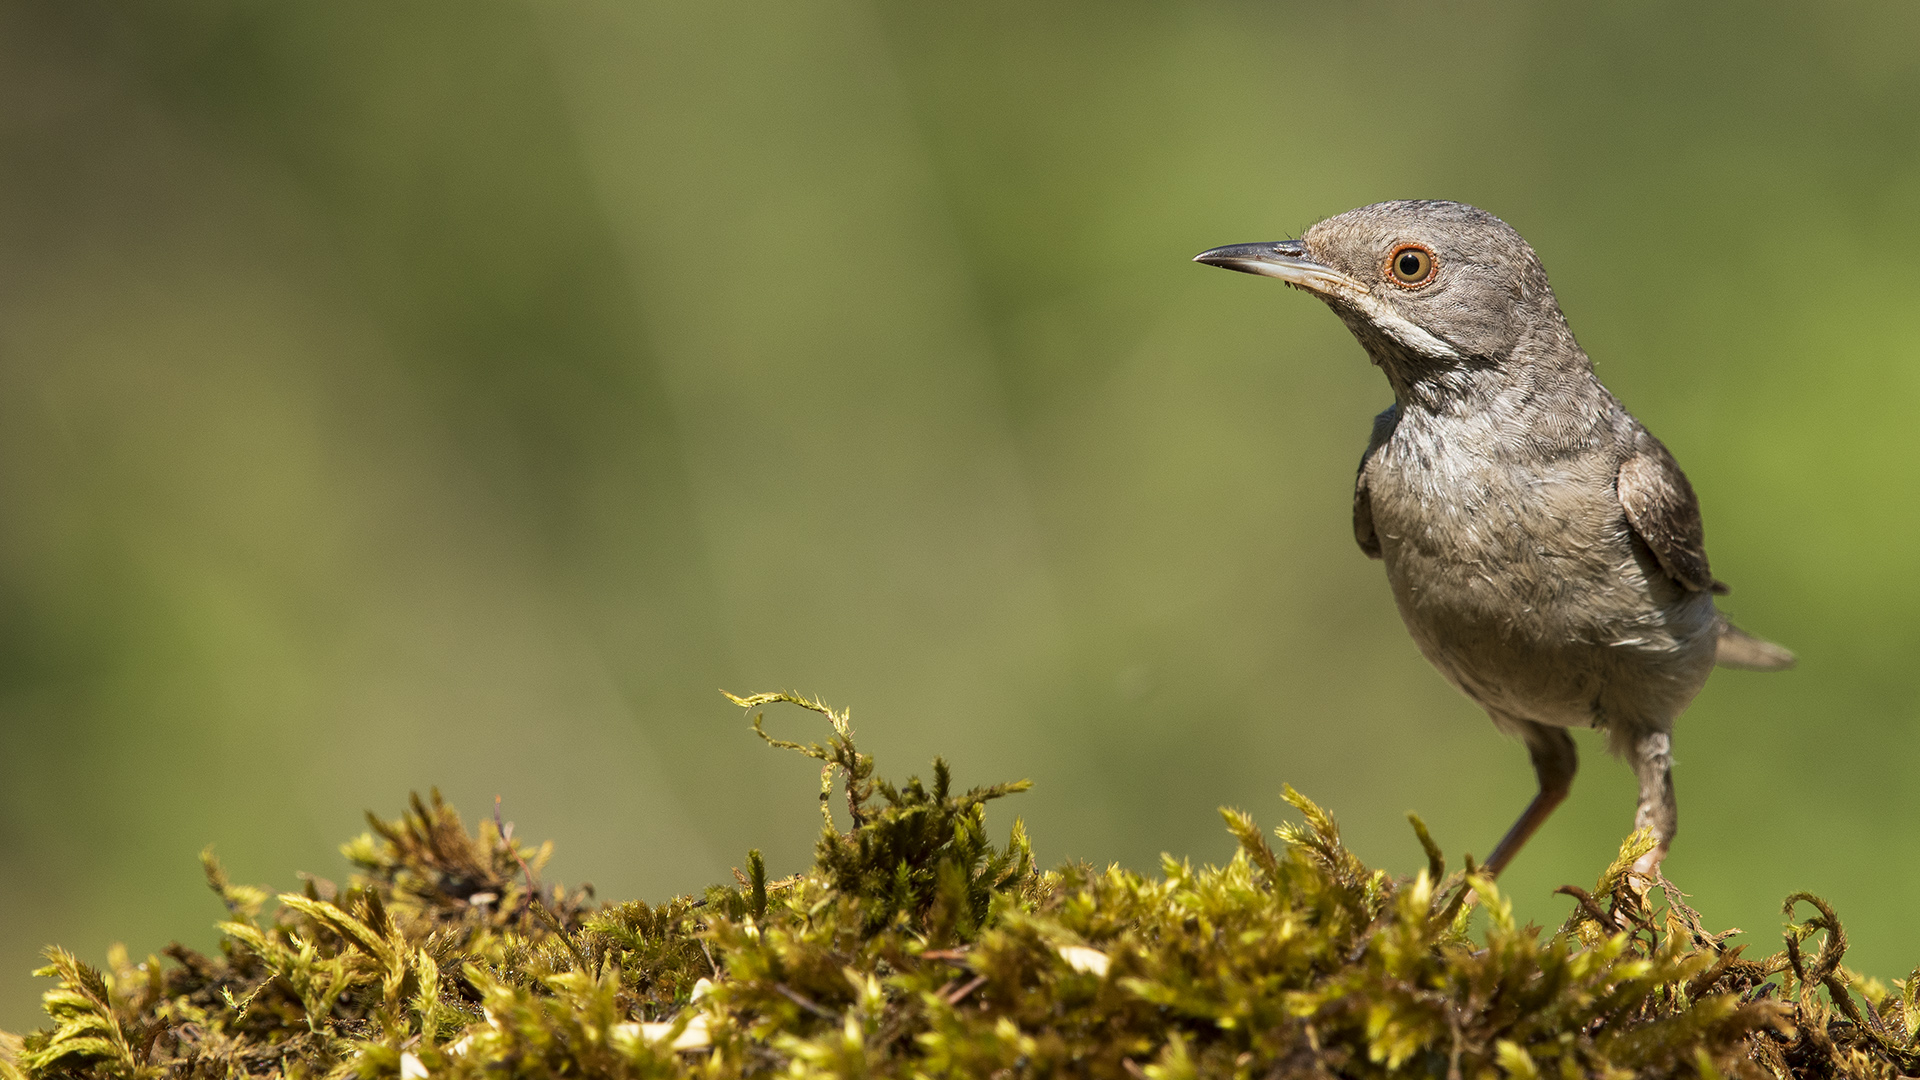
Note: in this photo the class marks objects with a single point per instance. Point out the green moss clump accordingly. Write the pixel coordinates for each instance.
(915, 947)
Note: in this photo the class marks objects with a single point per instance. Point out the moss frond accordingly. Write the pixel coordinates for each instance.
(916, 946)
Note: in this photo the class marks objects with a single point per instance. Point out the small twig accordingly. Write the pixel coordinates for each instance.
(505, 832)
(803, 1001)
(1453, 1057)
(1466, 895)
(1587, 904)
(975, 983)
(1366, 936)
(534, 902)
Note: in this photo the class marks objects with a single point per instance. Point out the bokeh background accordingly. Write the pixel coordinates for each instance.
(460, 393)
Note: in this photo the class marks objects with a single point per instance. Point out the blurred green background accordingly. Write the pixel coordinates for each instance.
(398, 394)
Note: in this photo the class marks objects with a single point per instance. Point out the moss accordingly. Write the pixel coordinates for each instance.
(917, 947)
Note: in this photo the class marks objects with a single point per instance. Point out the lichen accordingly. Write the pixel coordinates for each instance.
(917, 947)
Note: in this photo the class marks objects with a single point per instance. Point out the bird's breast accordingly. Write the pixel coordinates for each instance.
(1465, 513)
(1518, 576)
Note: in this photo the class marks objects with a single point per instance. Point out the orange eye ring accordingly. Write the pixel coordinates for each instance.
(1412, 266)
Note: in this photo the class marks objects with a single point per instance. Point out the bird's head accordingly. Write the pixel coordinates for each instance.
(1429, 287)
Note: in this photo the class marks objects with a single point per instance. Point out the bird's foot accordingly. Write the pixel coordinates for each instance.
(1645, 871)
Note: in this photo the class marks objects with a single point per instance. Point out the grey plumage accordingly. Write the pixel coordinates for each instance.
(1544, 549)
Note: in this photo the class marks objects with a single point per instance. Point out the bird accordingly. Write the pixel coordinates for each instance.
(1545, 550)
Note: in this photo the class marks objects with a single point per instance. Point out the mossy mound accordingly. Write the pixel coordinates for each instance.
(914, 947)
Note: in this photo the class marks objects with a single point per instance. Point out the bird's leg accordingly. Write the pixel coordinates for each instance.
(1554, 762)
(1652, 756)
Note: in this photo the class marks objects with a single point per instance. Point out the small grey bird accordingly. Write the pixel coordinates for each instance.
(1545, 550)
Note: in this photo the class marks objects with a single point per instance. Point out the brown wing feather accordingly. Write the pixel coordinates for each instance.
(1363, 533)
(1662, 509)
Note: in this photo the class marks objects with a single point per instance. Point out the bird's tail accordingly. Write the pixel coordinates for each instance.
(1739, 649)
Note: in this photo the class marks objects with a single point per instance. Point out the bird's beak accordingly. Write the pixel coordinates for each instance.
(1286, 260)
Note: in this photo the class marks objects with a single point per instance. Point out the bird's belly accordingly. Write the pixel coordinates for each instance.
(1536, 601)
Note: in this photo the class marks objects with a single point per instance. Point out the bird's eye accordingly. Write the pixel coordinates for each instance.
(1411, 265)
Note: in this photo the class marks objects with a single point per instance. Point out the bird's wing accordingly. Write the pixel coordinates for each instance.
(1662, 509)
(1362, 501)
